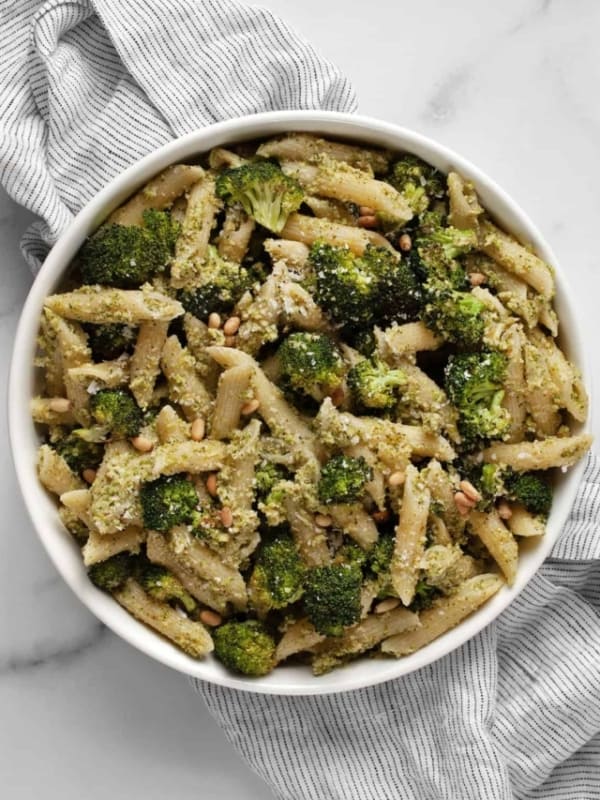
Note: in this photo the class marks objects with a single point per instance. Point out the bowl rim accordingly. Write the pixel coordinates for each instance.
(21, 372)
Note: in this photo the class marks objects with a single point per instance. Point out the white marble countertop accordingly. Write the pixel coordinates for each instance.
(513, 86)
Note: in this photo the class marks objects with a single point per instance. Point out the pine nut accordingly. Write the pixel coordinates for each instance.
(366, 211)
(232, 326)
(471, 492)
(337, 396)
(142, 443)
(197, 430)
(476, 278)
(386, 605)
(396, 478)
(368, 221)
(59, 404)
(250, 407)
(381, 516)
(89, 475)
(227, 516)
(211, 484)
(504, 510)
(405, 243)
(230, 341)
(463, 504)
(211, 618)
(214, 320)
(323, 520)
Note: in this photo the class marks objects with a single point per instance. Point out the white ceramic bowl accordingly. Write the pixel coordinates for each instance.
(25, 440)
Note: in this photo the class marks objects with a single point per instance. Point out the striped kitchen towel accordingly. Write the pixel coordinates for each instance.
(86, 88)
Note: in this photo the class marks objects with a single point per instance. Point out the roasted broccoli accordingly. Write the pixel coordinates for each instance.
(437, 248)
(111, 574)
(245, 647)
(425, 594)
(111, 340)
(343, 479)
(167, 501)
(127, 256)
(278, 575)
(332, 597)
(359, 291)
(223, 283)
(266, 475)
(162, 585)
(418, 182)
(311, 363)
(474, 383)
(455, 316)
(117, 410)
(79, 453)
(352, 554)
(530, 489)
(263, 191)
(374, 384)
(364, 341)
(379, 562)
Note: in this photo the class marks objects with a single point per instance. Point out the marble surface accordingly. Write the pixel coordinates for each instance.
(513, 86)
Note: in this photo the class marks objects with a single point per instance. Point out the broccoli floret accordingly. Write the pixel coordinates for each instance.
(436, 248)
(474, 383)
(380, 556)
(127, 256)
(79, 453)
(117, 410)
(111, 340)
(455, 316)
(263, 191)
(425, 594)
(359, 291)
(167, 501)
(531, 490)
(364, 341)
(277, 578)
(159, 583)
(266, 476)
(418, 182)
(223, 283)
(332, 597)
(374, 384)
(343, 479)
(111, 574)
(311, 363)
(351, 554)
(245, 647)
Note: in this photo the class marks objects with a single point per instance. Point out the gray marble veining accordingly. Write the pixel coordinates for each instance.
(513, 86)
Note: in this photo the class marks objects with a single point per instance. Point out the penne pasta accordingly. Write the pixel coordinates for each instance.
(308, 230)
(522, 523)
(410, 536)
(188, 456)
(99, 548)
(54, 472)
(498, 539)
(232, 393)
(465, 210)
(145, 362)
(555, 451)
(101, 305)
(185, 385)
(307, 147)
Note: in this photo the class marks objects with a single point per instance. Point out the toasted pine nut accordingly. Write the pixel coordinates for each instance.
(504, 510)
(476, 278)
(211, 618)
(142, 443)
(227, 516)
(197, 430)
(59, 404)
(386, 605)
(230, 341)
(463, 504)
(471, 492)
(232, 325)
(368, 221)
(337, 396)
(323, 520)
(381, 516)
(397, 478)
(211, 484)
(249, 407)
(89, 475)
(214, 320)
(366, 211)
(405, 242)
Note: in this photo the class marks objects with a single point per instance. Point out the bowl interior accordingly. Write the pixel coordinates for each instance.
(25, 439)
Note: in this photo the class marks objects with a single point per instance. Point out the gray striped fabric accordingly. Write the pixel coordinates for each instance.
(86, 88)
